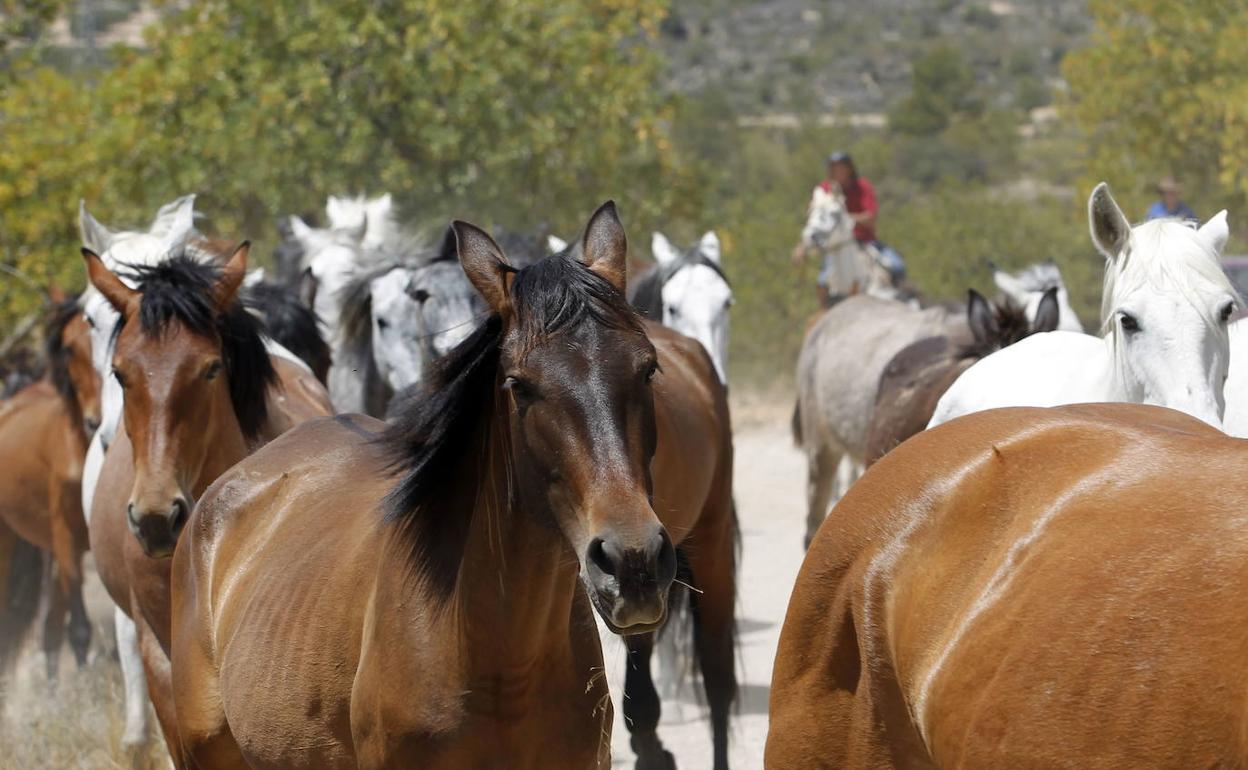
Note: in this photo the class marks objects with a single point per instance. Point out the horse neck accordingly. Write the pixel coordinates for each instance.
(223, 435)
(513, 599)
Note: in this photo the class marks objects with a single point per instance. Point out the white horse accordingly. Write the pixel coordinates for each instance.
(849, 267)
(689, 292)
(353, 244)
(1235, 421)
(1028, 286)
(1164, 315)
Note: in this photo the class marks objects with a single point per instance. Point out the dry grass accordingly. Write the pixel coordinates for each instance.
(75, 726)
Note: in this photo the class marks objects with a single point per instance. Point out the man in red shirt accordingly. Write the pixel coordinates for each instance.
(863, 208)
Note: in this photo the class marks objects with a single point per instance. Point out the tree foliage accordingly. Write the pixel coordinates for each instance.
(1163, 88)
(500, 111)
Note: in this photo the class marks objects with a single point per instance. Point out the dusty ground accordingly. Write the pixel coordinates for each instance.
(78, 726)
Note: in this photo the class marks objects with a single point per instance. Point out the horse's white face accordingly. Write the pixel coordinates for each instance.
(419, 315)
(697, 300)
(332, 256)
(1166, 308)
(828, 224)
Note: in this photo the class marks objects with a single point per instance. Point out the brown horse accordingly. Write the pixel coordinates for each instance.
(919, 375)
(44, 430)
(1026, 588)
(201, 392)
(353, 596)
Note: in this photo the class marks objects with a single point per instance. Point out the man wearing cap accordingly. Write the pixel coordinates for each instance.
(1169, 206)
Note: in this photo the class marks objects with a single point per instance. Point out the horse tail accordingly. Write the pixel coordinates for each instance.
(795, 424)
(20, 607)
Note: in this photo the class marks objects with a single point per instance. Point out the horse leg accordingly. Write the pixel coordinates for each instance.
(821, 467)
(134, 737)
(641, 706)
(712, 559)
(67, 550)
(156, 668)
(54, 611)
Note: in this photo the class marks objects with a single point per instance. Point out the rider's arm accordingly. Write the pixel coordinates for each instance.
(870, 207)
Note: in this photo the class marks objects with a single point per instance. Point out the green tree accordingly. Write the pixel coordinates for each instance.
(507, 112)
(943, 88)
(1163, 88)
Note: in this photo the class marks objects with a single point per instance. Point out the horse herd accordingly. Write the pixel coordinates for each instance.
(300, 584)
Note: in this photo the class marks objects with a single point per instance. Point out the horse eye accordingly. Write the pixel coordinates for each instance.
(420, 295)
(90, 321)
(521, 389)
(675, 311)
(652, 370)
(383, 324)
(729, 302)
(117, 376)
(1129, 323)
(1227, 310)
(212, 371)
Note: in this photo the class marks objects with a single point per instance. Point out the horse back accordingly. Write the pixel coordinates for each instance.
(41, 443)
(909, 389)
(961, 608)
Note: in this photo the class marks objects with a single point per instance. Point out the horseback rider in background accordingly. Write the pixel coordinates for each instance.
(863, 208)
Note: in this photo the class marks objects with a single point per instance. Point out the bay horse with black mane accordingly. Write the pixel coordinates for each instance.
(421, 595)
(44, 429)
(201, 391)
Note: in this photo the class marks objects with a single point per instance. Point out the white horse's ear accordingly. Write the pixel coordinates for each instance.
(333, 209)
(172, 215)
(709, 246)
(300, 229)
(1215, 232)
(662, 249)
(555, 244)
(1110, 228)
(95, 236)
(181, 225)
(381, 205)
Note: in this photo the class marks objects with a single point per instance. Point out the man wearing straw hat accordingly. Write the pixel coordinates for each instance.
(1169, 206)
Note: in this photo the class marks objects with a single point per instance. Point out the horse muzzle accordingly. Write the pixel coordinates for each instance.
(158, 530)
(628, 579)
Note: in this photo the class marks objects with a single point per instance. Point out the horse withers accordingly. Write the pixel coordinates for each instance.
(438, 576)
(44, 430)
(918, 376)
(1026, 588)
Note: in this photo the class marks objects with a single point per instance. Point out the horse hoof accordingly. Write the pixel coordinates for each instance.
(663, 760)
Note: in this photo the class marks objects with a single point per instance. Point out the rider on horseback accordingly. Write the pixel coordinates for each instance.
(861, 203)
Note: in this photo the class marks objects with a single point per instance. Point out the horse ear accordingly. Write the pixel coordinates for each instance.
(1110, 228)
(120, 296)
(709, 246)
(604, 247)
(95, 236)
(232, 276)
(981, 318)
(446, 249)
(1048, 312)
(555, 244)
(177, 214)
(662, 249)
(1215, 232)
(300, 229)
(1008, 284)
(485, 265)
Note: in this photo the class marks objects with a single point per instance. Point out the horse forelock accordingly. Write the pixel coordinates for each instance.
(443, 430)
(180, 289)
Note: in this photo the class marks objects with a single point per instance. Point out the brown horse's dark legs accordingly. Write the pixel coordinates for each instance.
(641, 706)
(79, 626)
(55, 610)
(712, 559)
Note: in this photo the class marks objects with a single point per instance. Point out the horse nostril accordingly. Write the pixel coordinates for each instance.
(178, 516)
(599, 557)
(665, 564)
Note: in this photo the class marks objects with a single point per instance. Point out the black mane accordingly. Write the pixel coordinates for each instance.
(290, 323)
(180, 288)
(55, 350)
(439, 437)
